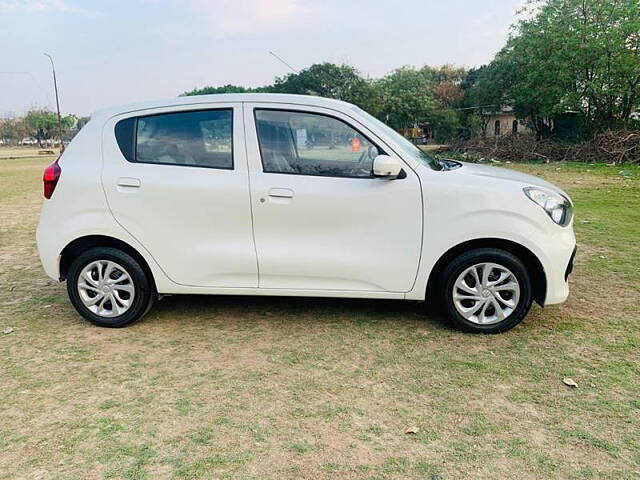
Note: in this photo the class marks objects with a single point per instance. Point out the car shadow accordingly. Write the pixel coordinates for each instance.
(284, 309)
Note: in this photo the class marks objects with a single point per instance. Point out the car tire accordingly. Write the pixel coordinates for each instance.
(493, 303)
(109, 288)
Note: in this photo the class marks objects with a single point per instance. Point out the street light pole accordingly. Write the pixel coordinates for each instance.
(55, 87)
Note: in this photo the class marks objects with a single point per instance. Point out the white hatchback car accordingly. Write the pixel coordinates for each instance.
(262, 194)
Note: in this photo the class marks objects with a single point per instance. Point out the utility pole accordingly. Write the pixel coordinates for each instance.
(55, 87)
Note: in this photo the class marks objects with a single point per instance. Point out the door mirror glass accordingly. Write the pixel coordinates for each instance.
(387, 167)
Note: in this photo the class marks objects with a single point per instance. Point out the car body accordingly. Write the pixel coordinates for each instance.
(268, 194)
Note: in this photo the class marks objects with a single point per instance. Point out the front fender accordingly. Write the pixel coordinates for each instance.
(444, 231)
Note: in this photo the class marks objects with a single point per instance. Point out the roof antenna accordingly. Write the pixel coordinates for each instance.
(281, 60)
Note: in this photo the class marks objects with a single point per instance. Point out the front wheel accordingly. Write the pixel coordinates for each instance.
(108, 287)
(486, 290)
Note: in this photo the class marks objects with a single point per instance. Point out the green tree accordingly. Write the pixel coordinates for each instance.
(413, 96)
(569, 55)
(42, 124)
(341, 82)
(486, 91)
(82, 121)
(446, 74)
(404, 98)
(407, 97)
(446, 125)
(13, 129)
(479, 100)
(215, 90)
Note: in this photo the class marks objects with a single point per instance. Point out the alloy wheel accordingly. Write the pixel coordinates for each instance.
(486, 293)
(106, 288)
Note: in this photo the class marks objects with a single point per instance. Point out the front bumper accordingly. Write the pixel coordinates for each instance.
(557, 254)
(569, 269)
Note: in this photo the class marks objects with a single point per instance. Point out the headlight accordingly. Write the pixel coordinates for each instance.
(557, 206)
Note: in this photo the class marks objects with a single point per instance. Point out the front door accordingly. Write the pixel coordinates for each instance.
(177, 182)
(321, 220)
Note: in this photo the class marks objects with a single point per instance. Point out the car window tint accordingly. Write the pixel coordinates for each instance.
(125, 136)
(197, 139)
(312, 144)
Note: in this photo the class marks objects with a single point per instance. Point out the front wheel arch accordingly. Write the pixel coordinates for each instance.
(531, 261)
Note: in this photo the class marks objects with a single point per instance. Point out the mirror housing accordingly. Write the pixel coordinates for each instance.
(385, 166)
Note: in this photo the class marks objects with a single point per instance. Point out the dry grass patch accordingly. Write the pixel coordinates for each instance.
(25, 152)
(248, 387)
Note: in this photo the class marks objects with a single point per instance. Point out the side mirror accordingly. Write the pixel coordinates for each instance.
(387, 167)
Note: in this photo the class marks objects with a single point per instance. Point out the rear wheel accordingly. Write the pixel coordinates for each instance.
(486, 290)
(108, 287)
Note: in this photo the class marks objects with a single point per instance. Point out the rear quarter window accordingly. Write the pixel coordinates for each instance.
(125, 136)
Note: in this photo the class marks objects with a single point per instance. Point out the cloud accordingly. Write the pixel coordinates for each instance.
(229, 17)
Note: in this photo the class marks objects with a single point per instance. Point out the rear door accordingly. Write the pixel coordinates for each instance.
(321, 220)
(177, 181)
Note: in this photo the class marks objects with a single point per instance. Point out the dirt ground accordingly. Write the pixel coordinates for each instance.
(252, 387)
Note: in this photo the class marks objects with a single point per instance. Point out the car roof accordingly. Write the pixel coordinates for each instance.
(225, 98)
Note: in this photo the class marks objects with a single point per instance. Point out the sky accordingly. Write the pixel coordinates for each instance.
(122, 51)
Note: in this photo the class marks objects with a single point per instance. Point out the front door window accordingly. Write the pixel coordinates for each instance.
(312, 144)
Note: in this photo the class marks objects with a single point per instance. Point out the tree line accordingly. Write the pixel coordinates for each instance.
(41, 125)
(578, 57)
(405, 98)
(563, 57)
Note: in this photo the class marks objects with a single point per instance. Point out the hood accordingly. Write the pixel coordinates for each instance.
(509, 175)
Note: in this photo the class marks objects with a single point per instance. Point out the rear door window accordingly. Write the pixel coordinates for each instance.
(202, 138)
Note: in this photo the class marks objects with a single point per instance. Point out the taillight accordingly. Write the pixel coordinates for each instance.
(50, 178)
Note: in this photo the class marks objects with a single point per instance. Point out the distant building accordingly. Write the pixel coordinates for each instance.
(505, 123)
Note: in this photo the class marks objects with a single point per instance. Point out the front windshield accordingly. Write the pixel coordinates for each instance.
(406, 146)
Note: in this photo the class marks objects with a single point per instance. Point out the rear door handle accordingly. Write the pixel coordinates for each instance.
(129, 182)
(281, 193)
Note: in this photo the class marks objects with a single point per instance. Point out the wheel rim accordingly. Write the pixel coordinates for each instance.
(486, 293)
(106, 288)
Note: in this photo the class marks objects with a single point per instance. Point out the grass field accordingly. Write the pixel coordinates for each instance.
(7, 152)
(244, 387)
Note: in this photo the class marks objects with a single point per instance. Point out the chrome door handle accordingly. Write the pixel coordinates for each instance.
(129, 182)
(281, 193)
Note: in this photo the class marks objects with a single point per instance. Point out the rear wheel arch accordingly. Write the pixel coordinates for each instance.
(531, 261)
(82, 244)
